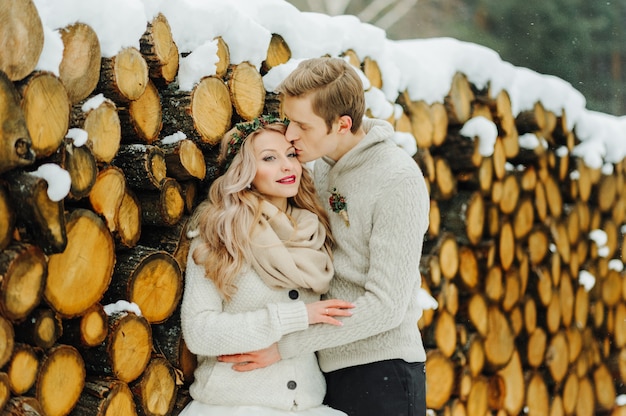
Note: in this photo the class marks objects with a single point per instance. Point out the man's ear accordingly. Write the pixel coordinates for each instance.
(345, 124)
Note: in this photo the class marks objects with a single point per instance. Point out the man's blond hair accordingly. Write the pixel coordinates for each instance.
(334, 85)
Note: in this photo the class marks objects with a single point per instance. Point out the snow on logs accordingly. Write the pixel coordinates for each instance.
(515, 233)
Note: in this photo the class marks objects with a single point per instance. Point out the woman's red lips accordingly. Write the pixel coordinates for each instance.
(288, 179)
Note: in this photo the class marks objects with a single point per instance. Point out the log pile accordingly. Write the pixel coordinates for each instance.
(516, 331)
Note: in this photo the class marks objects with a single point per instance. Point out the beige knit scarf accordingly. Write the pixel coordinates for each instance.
(288, 256)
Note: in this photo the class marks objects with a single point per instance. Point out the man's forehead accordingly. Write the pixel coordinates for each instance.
(299, 110)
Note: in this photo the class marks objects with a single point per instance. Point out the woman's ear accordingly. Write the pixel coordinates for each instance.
(345, 124)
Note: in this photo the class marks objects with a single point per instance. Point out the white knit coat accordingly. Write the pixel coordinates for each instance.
(256, 317)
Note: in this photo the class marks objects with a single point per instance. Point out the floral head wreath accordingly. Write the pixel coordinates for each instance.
(244, 129)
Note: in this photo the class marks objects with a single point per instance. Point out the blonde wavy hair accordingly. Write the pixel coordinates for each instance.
(226, 218)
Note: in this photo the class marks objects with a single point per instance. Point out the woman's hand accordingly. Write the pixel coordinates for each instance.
(323, 311)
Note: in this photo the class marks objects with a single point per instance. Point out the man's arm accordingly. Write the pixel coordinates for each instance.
(400, 222)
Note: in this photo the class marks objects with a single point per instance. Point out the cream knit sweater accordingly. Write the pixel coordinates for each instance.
(376, 258)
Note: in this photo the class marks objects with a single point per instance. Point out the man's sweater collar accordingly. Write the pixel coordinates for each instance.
(376, 131)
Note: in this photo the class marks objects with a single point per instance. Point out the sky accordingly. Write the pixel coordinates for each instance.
(424, 68)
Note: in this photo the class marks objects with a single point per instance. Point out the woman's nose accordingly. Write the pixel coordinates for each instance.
(288, 164)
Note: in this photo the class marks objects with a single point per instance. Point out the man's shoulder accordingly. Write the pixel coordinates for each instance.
(391, 158)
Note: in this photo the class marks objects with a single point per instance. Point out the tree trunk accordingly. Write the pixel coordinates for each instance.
(23, 367)
(143, 166)
(421, 120)
(105, 397)
(42, 220)
(126, 351)
(107, 194)
(7, 217)
(79, 69)
(173, 240)
(185, 112)
(23, 268)
(459, 100)
(168, 341)
(80, 163)
(247, 92)
(149, 278)
(21, 37)
(46, 108)
(7, 341)
(42, 329)
(278, 53)
(23, 406)
(124, 77)
(155, 391)
(128, 220)
(103, 127)
(184, 160)
(79, 276)
(440, 373)
(141, 120)
(61, 363)
(164, 207)
(88, 330)
(15, 141)
(5, 391)
(156, 46)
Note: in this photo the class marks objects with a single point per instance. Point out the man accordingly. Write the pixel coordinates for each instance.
(378, 203)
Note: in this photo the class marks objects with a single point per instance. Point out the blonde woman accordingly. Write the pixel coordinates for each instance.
(257, 267)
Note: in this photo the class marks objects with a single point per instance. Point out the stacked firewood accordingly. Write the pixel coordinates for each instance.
(91, 283)
(512, 238)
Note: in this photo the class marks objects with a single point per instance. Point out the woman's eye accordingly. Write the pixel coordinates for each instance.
(268, 158)
(293, 154)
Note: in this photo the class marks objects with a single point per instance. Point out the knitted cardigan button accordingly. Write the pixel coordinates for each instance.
(291, 385)
(293, 294)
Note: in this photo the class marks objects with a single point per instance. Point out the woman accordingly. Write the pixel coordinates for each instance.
(255, 272)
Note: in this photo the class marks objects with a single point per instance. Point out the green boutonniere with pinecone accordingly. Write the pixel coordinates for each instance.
(338, 204)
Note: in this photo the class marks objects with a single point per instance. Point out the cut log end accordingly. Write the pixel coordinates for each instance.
(156, 390)
(60, 380)
(22, 38)
(246, 90)
(80, 67)
(46, 108)
(7, 341)
(78, 277)
(211, 92)
(130, 347)
(23, 268)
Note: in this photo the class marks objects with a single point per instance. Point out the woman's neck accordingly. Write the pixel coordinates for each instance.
(280, 203)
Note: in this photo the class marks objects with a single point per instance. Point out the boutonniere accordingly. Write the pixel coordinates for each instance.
(338, 205)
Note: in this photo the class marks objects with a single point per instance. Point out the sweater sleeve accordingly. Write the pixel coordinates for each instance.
(209, 330)
(400, 220)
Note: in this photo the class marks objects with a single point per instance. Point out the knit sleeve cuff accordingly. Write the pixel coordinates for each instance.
(292, 317)
(288, 347)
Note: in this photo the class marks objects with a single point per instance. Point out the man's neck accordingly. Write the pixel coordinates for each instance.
(347, 143)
